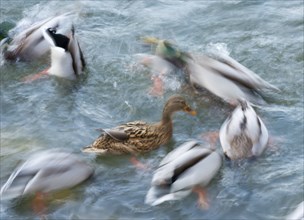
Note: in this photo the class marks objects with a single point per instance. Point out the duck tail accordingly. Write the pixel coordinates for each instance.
(88, 149)
(92, 149)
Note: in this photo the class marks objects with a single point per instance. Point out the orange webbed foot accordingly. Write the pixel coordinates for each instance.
(211, 137)
(36, 76)
(138, 164)
(202, 201)
(158, 86)
(39, 206)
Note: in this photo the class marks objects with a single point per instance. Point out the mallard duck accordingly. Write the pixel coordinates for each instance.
(183, 170)
(55, 34)
(44, 172)
(66, 56)
(168, 51)
(243, 134)
(138, 136)
(30, 43)
(224, 76)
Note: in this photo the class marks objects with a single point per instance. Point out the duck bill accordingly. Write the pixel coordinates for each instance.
(150, 40)
(190, 111)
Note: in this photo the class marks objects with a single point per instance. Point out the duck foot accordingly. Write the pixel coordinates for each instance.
(158, 86)
(202, 198)
(36, 76)
(274, 143)
(211, 137)
(39, 206)
(138, 164)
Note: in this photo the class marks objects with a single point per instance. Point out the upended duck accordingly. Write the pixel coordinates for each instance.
(45, 172)
(55, 34)
(66, 56)
(223, 76)
(138, 136)
(187, 168)
(243, 134)
(30, 44)
(67, 59)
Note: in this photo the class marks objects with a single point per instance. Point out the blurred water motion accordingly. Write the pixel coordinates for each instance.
(264, 36)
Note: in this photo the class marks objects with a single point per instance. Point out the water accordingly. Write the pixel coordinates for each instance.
(266, 36)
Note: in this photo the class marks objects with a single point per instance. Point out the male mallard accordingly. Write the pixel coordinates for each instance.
(224, 76)
(138, 136)
(168, 51)
(184, 169)
(243, 134)
(55, 34)
(45, 172)
(66, 56)
(30, 43)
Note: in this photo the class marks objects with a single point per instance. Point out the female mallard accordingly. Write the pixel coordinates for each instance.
(224, 76)
(44, 172)
(243, 134)
(139, 137)
(186, 168)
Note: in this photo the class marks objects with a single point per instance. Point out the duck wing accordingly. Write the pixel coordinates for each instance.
(178, 152)
(45, 172)
(246, 76)
(234, 71)
(175, 178)
(117, 134)
(76, 53)
(30, 43)
(260, 146)
(128, 130)
(208, 78)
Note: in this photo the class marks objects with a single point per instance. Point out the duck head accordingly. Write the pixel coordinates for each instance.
(176, 103)
(168, 51)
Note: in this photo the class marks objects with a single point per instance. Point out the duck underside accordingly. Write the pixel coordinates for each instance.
(241, 147)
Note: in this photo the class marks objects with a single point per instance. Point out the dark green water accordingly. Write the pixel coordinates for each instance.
(265, 36)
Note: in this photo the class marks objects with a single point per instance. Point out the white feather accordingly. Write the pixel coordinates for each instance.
(216, 83)
(61, 63)
(28, 45)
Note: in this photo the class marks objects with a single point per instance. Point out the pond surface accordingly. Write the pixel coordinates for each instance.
(265, 36)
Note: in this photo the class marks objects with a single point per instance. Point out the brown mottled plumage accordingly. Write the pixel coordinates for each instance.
(138, 136)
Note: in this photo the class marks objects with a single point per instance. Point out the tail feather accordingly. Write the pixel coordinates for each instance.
(92, 149)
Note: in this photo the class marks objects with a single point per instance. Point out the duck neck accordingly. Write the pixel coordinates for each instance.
(166, 118)
(166, 125)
